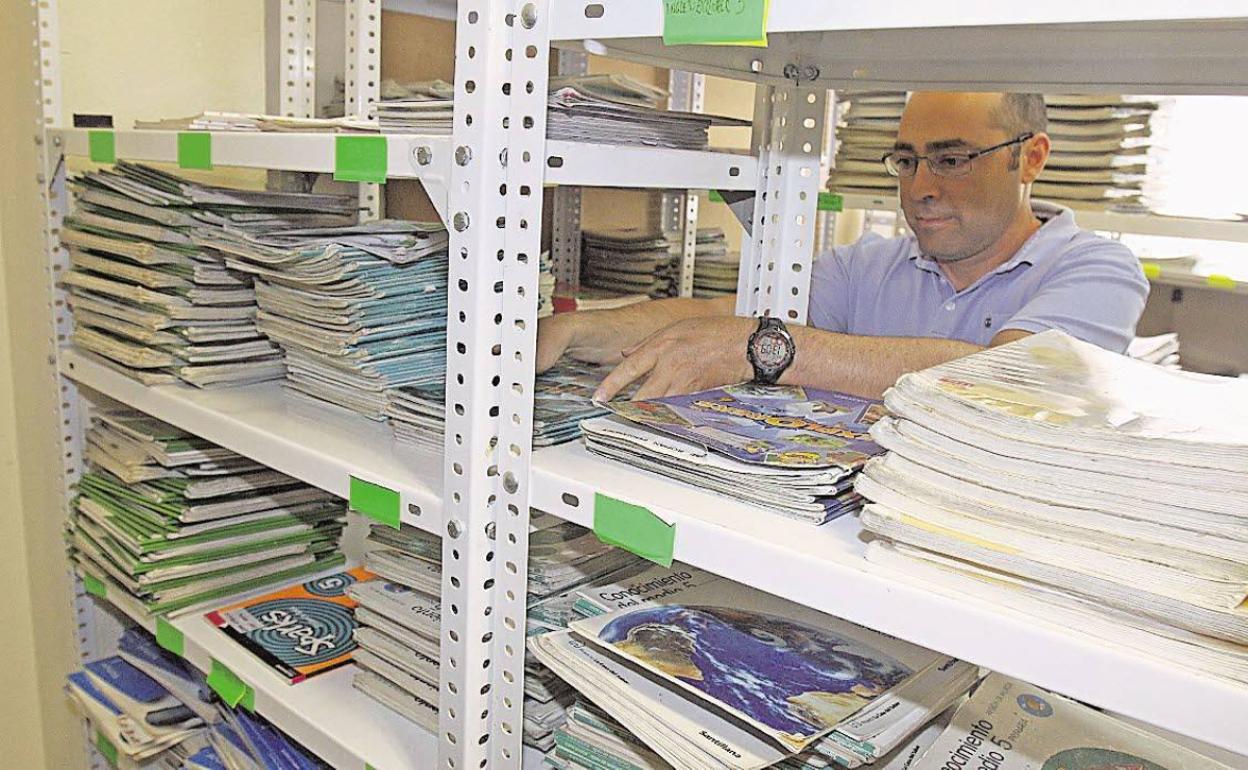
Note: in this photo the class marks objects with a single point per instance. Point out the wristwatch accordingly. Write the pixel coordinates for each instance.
(770, 350)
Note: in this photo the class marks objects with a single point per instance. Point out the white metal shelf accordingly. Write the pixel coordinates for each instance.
(1151, 46)
(824, 568)
(320, 445)
(1111, 221)
(821, 567)
(325, 714)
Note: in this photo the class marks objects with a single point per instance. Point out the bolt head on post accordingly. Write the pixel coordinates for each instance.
(460, 221)
(454, 528)
(463, 154)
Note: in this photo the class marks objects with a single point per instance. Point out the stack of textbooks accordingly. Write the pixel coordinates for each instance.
(563, 396)
(628, 260)
(786, 449)
(400, 617)
(1091, 489)
(714, 674)
(1012, 725)
(714, 267)
(867, 130)
(1161, 349)
(148, 298)
(357, 309)
(1100, 149)
(176, 521)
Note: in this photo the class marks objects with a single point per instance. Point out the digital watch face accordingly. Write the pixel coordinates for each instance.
(771, 349)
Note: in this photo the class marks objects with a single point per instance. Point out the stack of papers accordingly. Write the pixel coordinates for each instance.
(1162, 349)
(400, 617)
(628, 260)
(562, 398)
(1032, 728)
(568, 300)
(786, 449)
(134, 717)
(357, 309)
(176, 521)
(254, 122)
(148, 298)
(1079, 480)
(720, 675)
(1100, 150)
(867, 130)
(714, 268)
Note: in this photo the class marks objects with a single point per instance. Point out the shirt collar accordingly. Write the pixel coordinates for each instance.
(1058, 225)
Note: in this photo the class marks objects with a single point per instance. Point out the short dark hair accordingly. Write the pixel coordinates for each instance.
(1019, 114)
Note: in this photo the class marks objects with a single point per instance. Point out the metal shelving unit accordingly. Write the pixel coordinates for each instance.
(487, 180)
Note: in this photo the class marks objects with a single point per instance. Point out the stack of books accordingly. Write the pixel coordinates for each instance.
(149, 299)
(714, 268)
(176, 521)
(1094, 490)
(357, 309)
(785, 449)
(563, 396)
(1100, 150)
(867, 129)
(628, 260)
(708, 673)
(400, 615)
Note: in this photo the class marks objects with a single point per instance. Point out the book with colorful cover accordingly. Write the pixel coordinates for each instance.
(780, 426)
(300, 630)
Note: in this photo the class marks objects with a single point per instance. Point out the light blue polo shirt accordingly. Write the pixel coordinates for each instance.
(1062, 278)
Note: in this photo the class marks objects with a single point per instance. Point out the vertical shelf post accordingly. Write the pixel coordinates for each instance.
(502, 55)
(565, 236)
(363, 76)
(297, 88)
(687, 92)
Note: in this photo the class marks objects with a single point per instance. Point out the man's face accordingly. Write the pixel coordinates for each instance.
(954, 218)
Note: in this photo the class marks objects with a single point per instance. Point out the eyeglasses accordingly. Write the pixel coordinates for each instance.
(903, 163)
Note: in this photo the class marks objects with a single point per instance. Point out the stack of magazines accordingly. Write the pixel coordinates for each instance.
(867, 130)
(1097, 491)
(176, 521)
(714, 267)
(357, 309)
(718, 675)
(628, 260)
(1017, 726)
(786, 449)
(150, 300)
(1100, 150)
(562, 398)
(400, 615)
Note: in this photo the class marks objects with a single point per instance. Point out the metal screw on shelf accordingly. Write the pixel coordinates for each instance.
(490, 529)
(424, 156)
(463, 154)
(460, 221)
(810, 72)
(454, 528)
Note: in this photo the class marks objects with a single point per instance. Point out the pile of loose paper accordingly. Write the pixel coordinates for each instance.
(628, 260)
(562, 397)
(175, 521)
(1093, 490)
(357, 309)
(708, 673)
(786, 449)
(149, 298)
(1161, 349)
(399, 617)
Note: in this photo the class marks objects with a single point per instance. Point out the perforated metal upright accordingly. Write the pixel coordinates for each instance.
(502, 55)
(565, 235)
(687, 93)
(297, 87)
(363, 77)
(776, 258)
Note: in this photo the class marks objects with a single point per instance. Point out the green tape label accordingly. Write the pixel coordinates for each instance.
(715, 196)
(106, 748)
(381, 504)
(232, 690)
(94, 586)
(1221, 281)
(830, 202)
(360, 159)
(715, 22)
(102, 146)
(194, 149)
(633, 528)
(1151, 270)
(169, 637)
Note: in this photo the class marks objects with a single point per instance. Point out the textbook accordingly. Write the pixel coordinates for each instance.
(301, 630)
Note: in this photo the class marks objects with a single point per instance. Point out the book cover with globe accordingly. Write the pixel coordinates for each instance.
(786, 670)
(1011, 725)
(300, 630)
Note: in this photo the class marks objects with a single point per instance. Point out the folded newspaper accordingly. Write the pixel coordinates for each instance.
(786, 449)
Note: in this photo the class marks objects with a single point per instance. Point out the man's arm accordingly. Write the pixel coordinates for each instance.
(601, 336)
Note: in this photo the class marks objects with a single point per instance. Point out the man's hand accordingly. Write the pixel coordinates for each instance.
(688, 356)
(566, 334)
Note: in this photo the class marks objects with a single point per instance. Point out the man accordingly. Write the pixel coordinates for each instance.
(983, 267)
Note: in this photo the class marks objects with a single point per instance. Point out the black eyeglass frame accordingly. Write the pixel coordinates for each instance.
(970, 157)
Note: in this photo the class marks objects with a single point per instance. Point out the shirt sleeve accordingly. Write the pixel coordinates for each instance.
(1095, 293)
(831, 286)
